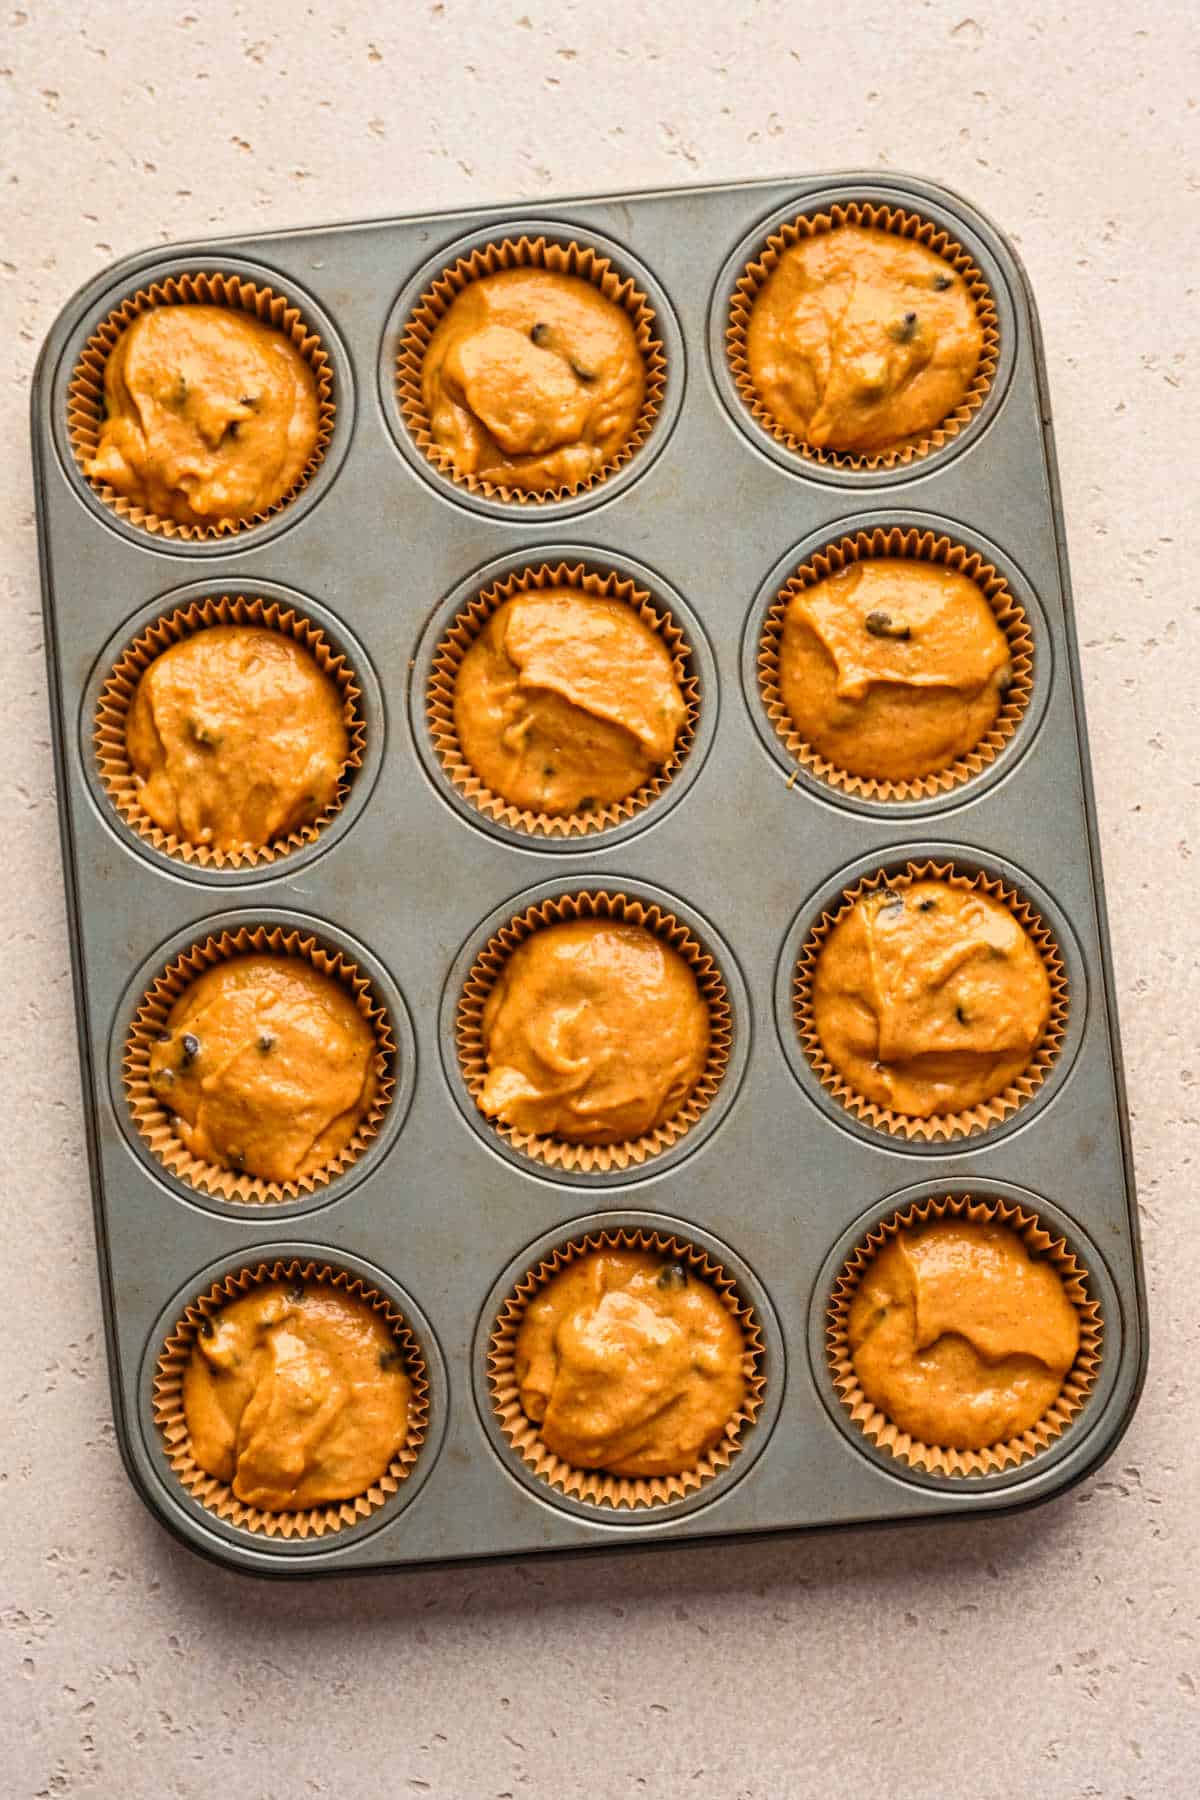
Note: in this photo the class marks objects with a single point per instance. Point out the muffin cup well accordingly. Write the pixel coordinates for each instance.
(463, 633)
(880, 218)
(571, 258)
(216, 1495)
(156, 1125)
(595, 1485)
(85, 394)
(116, 697)
(558, 1153)
(940, 1459)
(939, 1126)
(918, 546)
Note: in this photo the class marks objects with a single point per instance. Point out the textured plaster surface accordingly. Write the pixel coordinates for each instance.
(1055, 1654)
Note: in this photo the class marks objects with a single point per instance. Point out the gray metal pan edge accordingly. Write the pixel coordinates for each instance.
(778, 1183)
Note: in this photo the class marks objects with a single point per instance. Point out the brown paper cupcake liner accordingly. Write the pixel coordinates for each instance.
(881, 218)
(216, 1495)
(559, 259)
(917, 546)
(116, 697)
(85, 395)
(466, 628)
(940, 1459)
(558, 1153)
(595, 1485)
(156, 1125)
(974, 1119)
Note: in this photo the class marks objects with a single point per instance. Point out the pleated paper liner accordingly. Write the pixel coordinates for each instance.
(940, 1127)
(116, 772)
(216, 1495)
(881, 218)
(463, 633)
(558, 1153)
(917, 546)
(558, 259)
(85, 395)
(156, 1124)
(941, 1459)
(595, 1485)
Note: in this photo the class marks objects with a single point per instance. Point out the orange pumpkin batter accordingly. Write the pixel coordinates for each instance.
(533, 380)
(930, 998)
(892, 668)
(860, 340)
(296, 1395)
(566, 702)
(267, 1065)
(595, 1032)
(959, 1336)
(209, 414)
(236, 738)
(630, 1363)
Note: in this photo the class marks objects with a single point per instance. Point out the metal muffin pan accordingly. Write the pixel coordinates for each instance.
(708, 515)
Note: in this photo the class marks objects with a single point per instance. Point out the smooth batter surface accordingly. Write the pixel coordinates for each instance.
(210, 414)
(296, 1395)
(267, 1065)
(930, 998)
(236, 737)
(566, 702)
(959, 1336)
(594, 1032)
(860, 340)
(533, 380)
(628, 1362)
(893, 668)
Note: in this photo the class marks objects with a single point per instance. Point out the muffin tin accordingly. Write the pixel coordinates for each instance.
(776, 1182)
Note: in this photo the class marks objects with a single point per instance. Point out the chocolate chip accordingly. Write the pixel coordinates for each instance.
(191, 1049)
(927, 904)
(231, 429)
(266, 1041)
(905, 329)
(942, 282)
(162, 1037)
(582, 374)
(882, 625)
(539, 334)
(238, 1159)
(587, 803)
(960, 1015)
(390, 1359)
(204, 734)
(549, 769)
(888, 897)
(672, 1275)
(250, 400)
(206, 1328)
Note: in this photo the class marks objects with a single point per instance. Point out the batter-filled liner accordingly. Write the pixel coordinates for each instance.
(156, 1125)
(939, 1126)
(1078, 1383)
(558, 1153)
(595, 1485)
(439, 705)
(116, 697)
(915, 546)
(880, 218)
(216, 1495)
(557, 259)
(85, 395)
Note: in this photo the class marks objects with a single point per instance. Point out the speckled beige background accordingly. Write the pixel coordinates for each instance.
(1051, 1655)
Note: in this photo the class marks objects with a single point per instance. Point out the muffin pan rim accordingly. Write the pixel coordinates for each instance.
(372, 704)
(383, 984)
(759, 1431)
(696, 1136)
(878, 190)
(663, 595)
(250, 537)
(1006, 760)
(610, 487)
(967, 858)
(170, 1490)
(1099, 1282)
